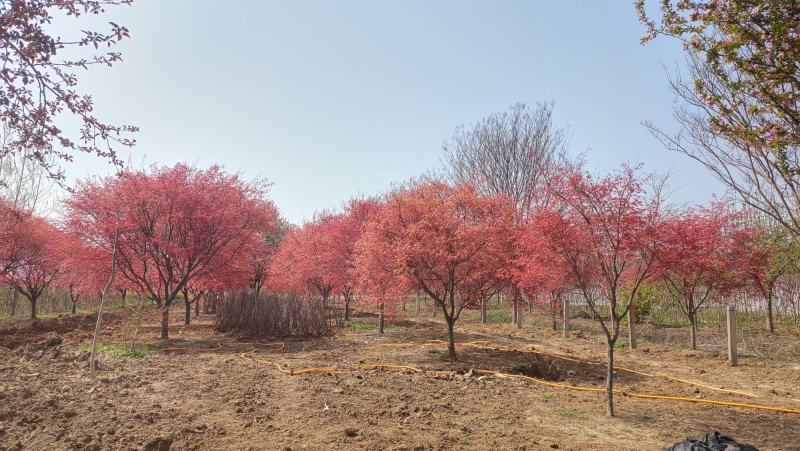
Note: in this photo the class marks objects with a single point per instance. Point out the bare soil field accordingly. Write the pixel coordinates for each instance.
(206, 390)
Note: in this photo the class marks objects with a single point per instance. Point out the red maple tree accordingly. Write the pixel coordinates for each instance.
(12, 234)
(538, 272)
(450, 242)
(308, 260)
(175, 224)
(42, 253)
(698, 262)
(604, 232)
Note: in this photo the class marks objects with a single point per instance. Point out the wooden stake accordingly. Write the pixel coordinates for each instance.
(632, 326)
(733, 354)
(565, 302)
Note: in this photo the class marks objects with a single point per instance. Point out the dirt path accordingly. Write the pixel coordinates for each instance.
(208, 397)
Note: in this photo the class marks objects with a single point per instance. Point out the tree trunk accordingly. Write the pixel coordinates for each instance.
(517, 307)
(347, 309)
(197, 307)
(14, 300)
(514, 310)
(483, 311)
(770, 323)
(165, 320)
(74, 305)
(33, 306)
(693, 330)
(610, 381)
(416, 306)
(451, 342)
(380, 319)
(187, 317)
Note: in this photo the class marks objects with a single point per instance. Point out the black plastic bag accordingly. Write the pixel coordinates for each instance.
(713, 441)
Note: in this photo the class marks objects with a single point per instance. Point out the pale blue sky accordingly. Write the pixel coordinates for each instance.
(332, 99)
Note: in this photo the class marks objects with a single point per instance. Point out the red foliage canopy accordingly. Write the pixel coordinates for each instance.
(605, 233)
(450, 242)
(699, 259)
(309, 258)
(12, 234)
(42, 251)
(176, 224)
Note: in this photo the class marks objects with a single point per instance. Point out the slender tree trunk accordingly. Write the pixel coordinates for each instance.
(514, 310)
(165, 319)
(483, 311)
(693, 329)
(14, 300)
(416, 303)
(347, 309)
(451, 342)
(517, 307)
(610, 381)
(74, 307)
(380, 319)
(187, 307)
(770, 322)
(197, 307)
(187, 317)
(33, 300)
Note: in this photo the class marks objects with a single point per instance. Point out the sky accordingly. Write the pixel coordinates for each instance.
(328, 100)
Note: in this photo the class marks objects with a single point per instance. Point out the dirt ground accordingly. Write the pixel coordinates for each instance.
(196, 391)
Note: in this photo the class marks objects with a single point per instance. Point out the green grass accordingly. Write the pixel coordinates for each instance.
(572, 414)
(466, 441)
(22, 313)
(363, 325)
(549, 396)
(120, 351)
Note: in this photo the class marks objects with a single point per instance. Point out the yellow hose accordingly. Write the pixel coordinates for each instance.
(376, 366)
(189, 348)
(480, 344)
(277, 347)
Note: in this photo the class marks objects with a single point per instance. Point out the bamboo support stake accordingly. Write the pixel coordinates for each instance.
(92, 363)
